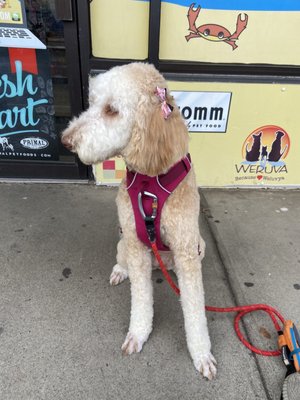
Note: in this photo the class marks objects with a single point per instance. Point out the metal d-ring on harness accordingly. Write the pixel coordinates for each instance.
(149, 219)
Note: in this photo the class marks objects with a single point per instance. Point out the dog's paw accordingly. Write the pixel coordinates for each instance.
(132, 344)
(206, 365)
(118, 275)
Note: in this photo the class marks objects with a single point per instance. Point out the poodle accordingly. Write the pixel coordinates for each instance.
(125, 119)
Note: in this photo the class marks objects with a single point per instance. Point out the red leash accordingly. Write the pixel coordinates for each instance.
(241, 310)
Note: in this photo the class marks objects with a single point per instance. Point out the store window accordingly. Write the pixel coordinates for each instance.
(42, 21)
(120, 29)
(245, 32)
(40, 90)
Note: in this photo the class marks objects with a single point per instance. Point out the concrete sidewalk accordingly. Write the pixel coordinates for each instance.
(62, 324)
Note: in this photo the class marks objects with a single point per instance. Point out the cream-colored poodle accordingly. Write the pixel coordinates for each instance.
(125, 118)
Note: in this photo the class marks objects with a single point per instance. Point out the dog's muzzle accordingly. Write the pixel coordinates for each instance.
(67, 142)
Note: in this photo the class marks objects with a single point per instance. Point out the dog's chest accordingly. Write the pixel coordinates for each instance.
(148, 195)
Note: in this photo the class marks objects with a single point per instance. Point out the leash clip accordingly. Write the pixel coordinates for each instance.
(154, 205)
(149, 219)
(289, 344)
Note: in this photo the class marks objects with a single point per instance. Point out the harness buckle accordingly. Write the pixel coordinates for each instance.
(154, 205)
(149, 219)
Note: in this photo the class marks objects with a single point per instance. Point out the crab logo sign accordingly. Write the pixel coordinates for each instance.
(264, 152)
(214, 32)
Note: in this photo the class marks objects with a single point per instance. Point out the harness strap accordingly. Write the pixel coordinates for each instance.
(169, 179)
(161, 186)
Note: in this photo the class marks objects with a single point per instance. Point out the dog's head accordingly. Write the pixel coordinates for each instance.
(125, 118)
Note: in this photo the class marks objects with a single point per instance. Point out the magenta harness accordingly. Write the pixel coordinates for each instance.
(148, 195)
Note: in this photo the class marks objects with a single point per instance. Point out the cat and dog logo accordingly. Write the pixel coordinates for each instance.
(264, 152)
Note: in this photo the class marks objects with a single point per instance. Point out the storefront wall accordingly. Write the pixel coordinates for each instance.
(233, 67)
(244, 131)
(223, 159)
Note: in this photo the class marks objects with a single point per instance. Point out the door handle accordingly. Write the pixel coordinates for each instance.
(64, 10)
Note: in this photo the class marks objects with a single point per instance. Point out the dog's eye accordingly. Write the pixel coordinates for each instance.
(110, 111)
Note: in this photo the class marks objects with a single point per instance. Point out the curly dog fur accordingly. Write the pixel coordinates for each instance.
(124, 118)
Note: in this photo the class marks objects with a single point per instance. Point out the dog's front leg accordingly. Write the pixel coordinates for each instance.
(188, 269)
(139, 271)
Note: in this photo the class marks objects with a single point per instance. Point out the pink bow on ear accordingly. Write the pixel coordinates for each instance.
(165, 107)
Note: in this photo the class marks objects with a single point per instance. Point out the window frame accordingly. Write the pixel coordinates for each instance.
(206, 71)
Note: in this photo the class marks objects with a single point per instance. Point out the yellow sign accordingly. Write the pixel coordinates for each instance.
(229, 36)
(260, 145)
(120, 29)
(11, 12)
(245, 31)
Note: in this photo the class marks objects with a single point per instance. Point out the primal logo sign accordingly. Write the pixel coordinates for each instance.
(34, 143)
(204, 111)
(264, 153)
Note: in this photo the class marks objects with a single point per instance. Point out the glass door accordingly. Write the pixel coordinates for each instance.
(50, 82)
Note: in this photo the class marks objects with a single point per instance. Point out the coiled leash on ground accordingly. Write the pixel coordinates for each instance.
(288, 335)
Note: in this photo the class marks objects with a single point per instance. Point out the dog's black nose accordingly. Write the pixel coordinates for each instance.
(67, 142)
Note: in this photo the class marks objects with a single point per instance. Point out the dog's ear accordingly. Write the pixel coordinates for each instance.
(156, 143)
